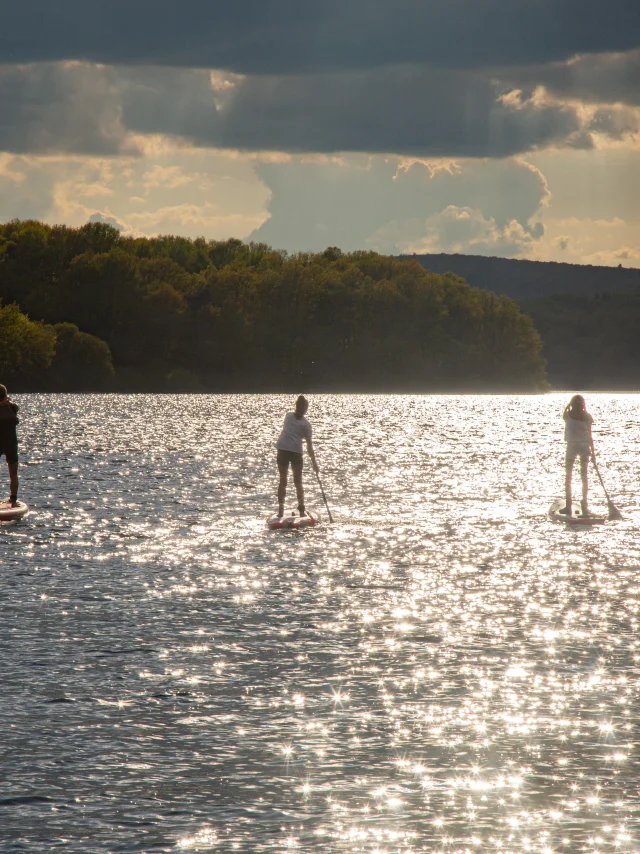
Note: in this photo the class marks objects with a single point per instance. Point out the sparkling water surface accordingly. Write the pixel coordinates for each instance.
(443, 669)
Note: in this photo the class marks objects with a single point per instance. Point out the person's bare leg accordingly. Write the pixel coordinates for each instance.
(584, 474)
(297, 479)
(13, 481)
(568, 473)
(283, 469)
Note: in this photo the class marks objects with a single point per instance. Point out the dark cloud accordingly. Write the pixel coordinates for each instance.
(281, 36)
(421, 78)
(58, 107)
(406, 110)
(169, 101)
(610, 78)
(409, 110)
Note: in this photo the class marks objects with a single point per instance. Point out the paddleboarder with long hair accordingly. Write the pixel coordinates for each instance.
(577, 435)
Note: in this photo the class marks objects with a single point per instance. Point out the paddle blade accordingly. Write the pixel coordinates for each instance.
(614, 513)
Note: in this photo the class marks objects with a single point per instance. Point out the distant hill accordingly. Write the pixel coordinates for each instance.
(528, 280)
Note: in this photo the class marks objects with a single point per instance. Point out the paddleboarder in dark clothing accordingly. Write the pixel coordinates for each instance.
(9, 440)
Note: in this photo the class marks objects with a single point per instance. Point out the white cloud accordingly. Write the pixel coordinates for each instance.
(394, 206)
(575, 208)
(189, 192)
(108, 219)
(627, 256)
(461, 230)
(168, 177)
(203, 219)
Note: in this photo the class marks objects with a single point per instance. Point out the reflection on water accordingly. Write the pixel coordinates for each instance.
(441, 670)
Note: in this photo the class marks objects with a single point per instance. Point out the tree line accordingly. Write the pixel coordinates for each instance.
(89, 309)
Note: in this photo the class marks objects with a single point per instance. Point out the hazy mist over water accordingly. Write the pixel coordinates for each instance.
(441, 670)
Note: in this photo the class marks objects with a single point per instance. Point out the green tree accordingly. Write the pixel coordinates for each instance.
(82, 362)
(26, 348)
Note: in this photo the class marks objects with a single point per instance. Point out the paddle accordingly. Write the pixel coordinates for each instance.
(324, 497)
(614, 513)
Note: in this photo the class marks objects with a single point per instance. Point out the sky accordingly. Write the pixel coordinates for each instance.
(491, 127)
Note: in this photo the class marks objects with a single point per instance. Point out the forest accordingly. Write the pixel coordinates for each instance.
(87, 309)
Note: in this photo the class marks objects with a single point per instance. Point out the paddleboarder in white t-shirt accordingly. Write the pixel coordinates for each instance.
(295, 430)
(577, 435)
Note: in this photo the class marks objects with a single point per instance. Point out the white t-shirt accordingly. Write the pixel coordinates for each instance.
(294, 430)
(577, 432)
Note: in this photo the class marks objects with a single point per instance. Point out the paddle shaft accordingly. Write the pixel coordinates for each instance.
(324, 497)
(614, 513)
(595, 465)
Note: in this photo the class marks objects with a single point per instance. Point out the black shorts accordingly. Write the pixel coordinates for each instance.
(10, 450)
(286, 457)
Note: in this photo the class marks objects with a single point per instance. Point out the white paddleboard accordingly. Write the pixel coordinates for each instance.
(578, 520)
(10, 514)
(290, 522)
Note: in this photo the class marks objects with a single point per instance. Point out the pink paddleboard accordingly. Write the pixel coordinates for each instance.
(289, 522)
(10, 514)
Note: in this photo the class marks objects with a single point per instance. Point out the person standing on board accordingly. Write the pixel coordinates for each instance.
(577, 435)
(9, 441)
(289, 447)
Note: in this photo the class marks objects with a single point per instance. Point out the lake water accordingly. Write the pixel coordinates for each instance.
(443, 669)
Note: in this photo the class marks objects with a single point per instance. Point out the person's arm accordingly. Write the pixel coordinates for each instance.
(312, 455)
(591, 445)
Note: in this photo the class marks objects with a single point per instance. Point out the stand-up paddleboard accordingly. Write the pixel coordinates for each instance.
(290, 521)
(10, 514)
(583, 521)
